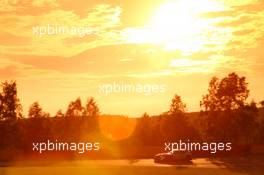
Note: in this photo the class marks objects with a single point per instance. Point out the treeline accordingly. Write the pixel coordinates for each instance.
(225, 116)
(169, 126)
(78, 124)
(11, 108)
(20, 134)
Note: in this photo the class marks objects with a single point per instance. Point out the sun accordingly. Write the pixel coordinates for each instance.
(171, 20)
(176, 25)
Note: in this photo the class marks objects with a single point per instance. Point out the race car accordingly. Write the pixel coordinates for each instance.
(173, 156)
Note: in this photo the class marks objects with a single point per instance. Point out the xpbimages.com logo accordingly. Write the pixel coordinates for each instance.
(52, 30)
(212, 147)
(80, 147)
(129, 88)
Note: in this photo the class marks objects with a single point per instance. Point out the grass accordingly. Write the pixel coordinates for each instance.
(114, 170)
(235, 166)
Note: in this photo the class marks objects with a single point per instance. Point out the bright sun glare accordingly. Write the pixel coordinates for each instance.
(176, 25)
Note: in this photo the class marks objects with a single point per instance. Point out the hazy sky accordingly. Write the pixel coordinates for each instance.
(180, 44)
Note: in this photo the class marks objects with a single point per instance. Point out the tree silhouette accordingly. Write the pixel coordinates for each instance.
(262, 103)
(10, 107)
(227, 94)
(59, 113)
(91, 108)
(225, 115)
(177, 106)
(35, 111)
(75, 108)
(143, 131)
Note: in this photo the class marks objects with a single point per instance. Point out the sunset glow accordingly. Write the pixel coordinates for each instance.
(177, 25)
(178, 43)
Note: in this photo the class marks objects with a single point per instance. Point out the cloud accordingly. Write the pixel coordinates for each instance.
(241, 24)
(12, 69)
(237, 3)
(102, 19)
(20, 5)
(99, 60)
(8, 39)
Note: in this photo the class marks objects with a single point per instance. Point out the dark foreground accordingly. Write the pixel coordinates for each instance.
(204, 166)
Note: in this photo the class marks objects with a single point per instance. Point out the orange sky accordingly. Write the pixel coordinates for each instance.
(180, 44)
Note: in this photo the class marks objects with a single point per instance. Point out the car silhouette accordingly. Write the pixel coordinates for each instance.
(173, 156)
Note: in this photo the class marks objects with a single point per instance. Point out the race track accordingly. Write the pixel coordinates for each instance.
(203, 166)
